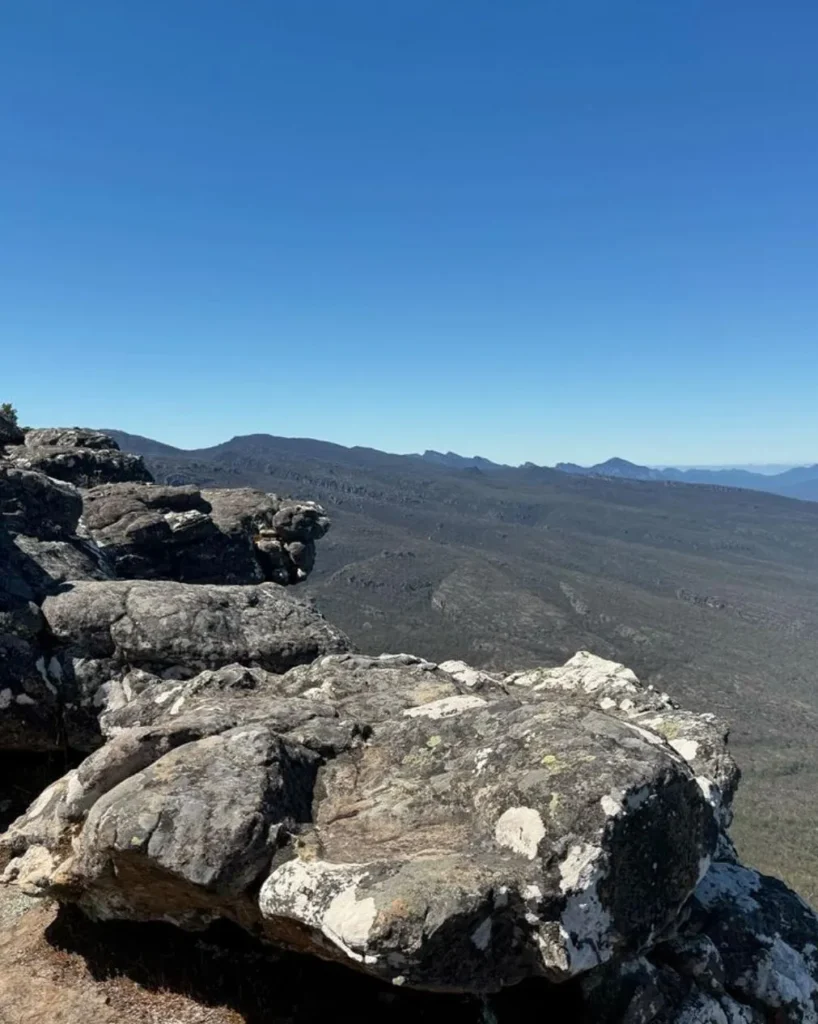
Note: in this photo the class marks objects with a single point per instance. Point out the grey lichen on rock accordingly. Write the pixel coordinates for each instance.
(456, 837)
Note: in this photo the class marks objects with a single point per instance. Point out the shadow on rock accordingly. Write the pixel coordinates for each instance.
(222, 967)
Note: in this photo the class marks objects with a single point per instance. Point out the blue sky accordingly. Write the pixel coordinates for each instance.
(530, 230)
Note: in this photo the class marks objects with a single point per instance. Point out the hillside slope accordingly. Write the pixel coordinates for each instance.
(709, 593)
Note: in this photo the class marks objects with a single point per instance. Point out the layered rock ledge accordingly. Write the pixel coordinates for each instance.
(432, 826)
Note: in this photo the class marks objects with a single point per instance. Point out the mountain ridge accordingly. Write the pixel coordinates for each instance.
(799, 482)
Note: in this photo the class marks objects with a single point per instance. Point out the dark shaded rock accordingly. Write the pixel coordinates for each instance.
(30, 711)
(38, 506)
(640, 991)
(766, 937)
(30, 717)
(58, 561)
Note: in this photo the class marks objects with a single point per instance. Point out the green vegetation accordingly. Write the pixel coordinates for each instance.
(8, 410)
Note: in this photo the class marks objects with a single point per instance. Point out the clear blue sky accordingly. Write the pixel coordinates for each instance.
(532, 230)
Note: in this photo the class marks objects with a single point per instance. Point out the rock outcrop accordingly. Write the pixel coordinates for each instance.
(70, 630)
(81, 457)
(433, 826)
(193, 536)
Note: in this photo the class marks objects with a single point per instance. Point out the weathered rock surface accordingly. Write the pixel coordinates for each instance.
(84, 458)
(436, 827)
(56, 537)
(182, 533)
(102, 631)
(441, 829)
(69, 437)
(381, 812)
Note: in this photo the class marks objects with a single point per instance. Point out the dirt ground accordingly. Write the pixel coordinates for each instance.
(41, 983)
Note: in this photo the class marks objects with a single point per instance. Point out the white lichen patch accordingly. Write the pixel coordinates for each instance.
(577, 869)
(688, 749)
(610, 806)
(5, 698)
(323, 896)
(176, 706)
(40, 665)
(520, 829)
(466, 675)
(585, 926)
(585, 672)
(481, 759)
(23, 698)
(710, 791)
(162, 698)
(446, 707)
(349, 920)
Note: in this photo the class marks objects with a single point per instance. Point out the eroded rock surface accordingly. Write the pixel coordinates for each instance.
(63, 647)
(81, 457)
(434, 827)
(212, 536)
(381, 811)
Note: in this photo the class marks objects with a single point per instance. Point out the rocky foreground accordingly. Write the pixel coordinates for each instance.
(424, 840)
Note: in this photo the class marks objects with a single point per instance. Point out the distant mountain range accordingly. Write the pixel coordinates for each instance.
(799, 482)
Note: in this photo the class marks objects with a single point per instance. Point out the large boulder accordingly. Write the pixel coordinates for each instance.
(215, 536)
(382, 813)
